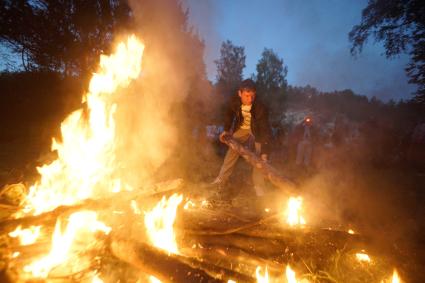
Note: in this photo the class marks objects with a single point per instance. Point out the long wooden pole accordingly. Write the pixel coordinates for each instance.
(278, 179)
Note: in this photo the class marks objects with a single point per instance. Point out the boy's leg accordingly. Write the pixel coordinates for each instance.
(231, 157)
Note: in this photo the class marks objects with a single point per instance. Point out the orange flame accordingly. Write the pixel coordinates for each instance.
(86, 154)
(396, 278)
(159, 223)
(79, 222)
(289, 276)
(97, 279)
(363, 257)
(153, 279)
(261, 278)
(26, 236)
(86, 158)
(293, 212)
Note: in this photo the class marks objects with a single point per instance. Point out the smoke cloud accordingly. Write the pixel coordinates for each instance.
(150, 114)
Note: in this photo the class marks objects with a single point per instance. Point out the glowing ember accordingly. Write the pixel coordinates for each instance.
(293, 212)
(351, 232)
(231, 281)
(86, 155)
(81, 224)
(363, 257)
(261, 278)
(159, 223)
(26, 236)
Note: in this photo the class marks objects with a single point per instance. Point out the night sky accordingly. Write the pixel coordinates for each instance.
(312, 38)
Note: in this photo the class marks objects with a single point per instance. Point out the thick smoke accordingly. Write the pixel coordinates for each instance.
(150, 115)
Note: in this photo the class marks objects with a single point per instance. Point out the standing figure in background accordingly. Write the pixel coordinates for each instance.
(247, 122)
(306, 132)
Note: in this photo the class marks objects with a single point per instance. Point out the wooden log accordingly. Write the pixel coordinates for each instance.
(264, 248)
(213, 267)
(90, 204)
(232, 259)
(210, 231)
(51, 216)
(284, 244)
(278, 179)
(167, 268)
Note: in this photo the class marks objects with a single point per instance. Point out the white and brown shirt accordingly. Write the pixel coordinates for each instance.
(246, 114)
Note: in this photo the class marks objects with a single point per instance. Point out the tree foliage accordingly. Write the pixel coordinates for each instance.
(230, 66)
(271, 83)
(271, 73)
(64, 36)
(400, 25)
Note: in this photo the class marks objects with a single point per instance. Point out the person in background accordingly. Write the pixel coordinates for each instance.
(306, 133)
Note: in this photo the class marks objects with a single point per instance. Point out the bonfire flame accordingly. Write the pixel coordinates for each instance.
(26, 236)
(363, 257)
(293, 212)
(97, 279)
(159, 223)
(289, 276)
(86, 155)
(395, 278)
(153, 279)
(79, 222)
(262, 278)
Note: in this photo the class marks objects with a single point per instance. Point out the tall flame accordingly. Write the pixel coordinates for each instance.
(86, 158)
(159, 223)
(86, 154)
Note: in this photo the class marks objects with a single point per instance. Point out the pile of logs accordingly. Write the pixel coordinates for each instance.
(207, 254)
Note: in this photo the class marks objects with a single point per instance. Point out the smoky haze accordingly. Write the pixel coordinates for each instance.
(150, 116)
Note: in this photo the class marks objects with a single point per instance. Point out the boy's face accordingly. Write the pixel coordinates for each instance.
(247, 96)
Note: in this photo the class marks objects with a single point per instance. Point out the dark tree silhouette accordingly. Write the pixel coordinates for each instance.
(230, 66)
(63, 36)
(271, 73)
(400, 24)
(271, 82)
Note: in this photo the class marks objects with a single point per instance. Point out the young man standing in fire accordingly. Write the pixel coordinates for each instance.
(246, 120)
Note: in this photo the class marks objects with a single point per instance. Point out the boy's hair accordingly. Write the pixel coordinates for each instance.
(248, 84)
